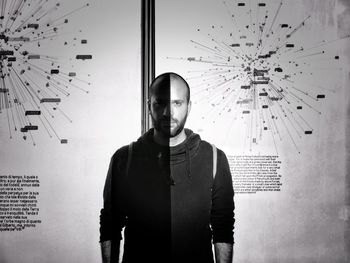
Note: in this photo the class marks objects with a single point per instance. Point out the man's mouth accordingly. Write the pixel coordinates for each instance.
(168, 123)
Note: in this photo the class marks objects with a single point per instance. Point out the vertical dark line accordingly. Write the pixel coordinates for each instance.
(147, 57)
(153, 42)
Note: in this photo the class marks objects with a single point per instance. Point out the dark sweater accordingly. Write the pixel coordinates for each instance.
(168, 202)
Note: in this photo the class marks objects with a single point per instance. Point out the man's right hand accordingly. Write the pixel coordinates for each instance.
(106, 250)
(110, 251)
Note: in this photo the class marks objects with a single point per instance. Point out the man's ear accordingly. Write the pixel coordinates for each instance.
(189, 107)
(149, 106)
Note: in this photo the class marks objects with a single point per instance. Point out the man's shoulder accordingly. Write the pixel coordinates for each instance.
(210, 146)
(126, 150)
(122, 152)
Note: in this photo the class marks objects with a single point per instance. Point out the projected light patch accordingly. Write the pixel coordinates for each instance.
(33, 83)
(262, 71)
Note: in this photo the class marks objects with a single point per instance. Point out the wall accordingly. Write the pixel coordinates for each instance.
(289, 164)
(108, 116)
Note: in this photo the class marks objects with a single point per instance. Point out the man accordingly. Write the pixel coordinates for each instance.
(171, 190)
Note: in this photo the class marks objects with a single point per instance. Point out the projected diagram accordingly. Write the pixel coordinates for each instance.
(268, 73)
(34, 79)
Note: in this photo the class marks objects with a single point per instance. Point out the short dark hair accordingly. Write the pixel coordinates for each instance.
(164, 80)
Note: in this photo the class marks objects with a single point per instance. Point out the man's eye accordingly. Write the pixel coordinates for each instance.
(177, 103)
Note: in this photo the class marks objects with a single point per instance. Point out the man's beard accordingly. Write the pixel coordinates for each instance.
(165, 128)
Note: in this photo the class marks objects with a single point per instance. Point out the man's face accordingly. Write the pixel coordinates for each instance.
(169, 108)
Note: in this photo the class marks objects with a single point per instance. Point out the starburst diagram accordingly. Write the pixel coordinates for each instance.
(34, 78)
(267, 72)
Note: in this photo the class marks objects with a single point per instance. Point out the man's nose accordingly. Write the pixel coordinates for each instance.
(168, 110)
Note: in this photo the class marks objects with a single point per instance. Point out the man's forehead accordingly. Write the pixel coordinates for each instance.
(178, 91)
(174, 89)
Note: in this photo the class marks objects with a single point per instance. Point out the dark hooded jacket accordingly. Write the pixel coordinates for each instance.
(167, 199)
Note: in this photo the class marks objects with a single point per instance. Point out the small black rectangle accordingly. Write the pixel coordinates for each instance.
(6, 52)
(263, 94)
(265, 106)
(299, 107)
(83, 57)
(246, 112)
(32, 112)
(50, 100)
(257, 82)
(245, 87)
(261, 4)
(241, 4)
(284, 25)
(261, 70)
(235, 45)
(11, 59)
(33, 56)
(72, 74)
(308, 132)
(290, 45)
(64, 141)
(321, 96)
(264, 78)
(35, 26)
(31, 127)
(55, 71)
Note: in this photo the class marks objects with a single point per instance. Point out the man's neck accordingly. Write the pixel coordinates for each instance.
(172, 141)
(181, 137)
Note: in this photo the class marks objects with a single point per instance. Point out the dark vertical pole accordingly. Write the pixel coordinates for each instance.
(147, 57)
(347, 188)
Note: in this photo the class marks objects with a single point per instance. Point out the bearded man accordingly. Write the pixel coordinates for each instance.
(171, 190)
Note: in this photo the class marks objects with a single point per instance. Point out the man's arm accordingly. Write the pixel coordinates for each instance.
(111, 219)
(223, 252)
(222, 213)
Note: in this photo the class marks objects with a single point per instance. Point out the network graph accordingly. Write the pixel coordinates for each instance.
(268, 72)
(35, 79)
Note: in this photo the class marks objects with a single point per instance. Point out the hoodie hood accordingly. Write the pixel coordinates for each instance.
(186, 150)
(189, 148)
(182, 152)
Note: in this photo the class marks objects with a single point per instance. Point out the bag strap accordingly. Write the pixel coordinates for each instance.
(129, 158)
(215, 159)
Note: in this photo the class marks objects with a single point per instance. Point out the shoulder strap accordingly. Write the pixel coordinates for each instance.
(129, 158)
(215, 158)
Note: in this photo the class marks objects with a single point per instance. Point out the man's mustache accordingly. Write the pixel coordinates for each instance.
(169, 120)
